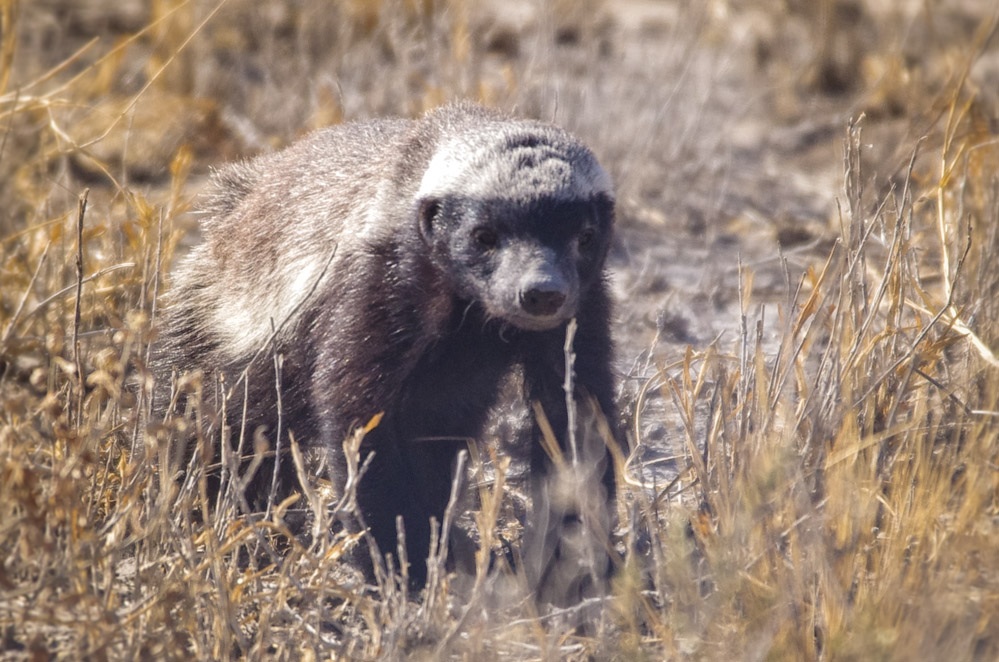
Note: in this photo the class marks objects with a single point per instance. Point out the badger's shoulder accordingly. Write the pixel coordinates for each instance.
(273, 227)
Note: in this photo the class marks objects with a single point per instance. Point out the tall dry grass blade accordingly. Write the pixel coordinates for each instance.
(77, 359)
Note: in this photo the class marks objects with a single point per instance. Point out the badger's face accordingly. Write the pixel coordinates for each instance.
(518, 218)
(525, 264)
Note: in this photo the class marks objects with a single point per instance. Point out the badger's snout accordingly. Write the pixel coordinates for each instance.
(546, 296)
(544, 299)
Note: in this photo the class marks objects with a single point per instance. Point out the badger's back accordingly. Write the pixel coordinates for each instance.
(271, 227)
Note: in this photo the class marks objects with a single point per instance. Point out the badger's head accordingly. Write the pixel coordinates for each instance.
(518, 216)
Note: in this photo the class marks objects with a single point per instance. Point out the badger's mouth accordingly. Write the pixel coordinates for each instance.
(515, 314)
(536, 323)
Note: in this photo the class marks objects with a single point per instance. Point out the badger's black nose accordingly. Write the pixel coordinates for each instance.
(542, 301)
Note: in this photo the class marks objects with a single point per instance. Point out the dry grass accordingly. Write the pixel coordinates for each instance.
(838, 488)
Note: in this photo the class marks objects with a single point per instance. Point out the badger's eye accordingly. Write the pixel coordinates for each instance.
(485, 238)
(586, 237)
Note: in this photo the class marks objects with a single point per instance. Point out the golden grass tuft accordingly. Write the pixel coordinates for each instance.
(848, 485)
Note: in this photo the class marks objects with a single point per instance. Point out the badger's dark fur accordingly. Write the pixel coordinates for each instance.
(462, 244)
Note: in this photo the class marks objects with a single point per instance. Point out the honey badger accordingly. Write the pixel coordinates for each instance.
(404, 267)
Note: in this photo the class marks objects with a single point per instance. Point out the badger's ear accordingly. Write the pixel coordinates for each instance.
(427, 213)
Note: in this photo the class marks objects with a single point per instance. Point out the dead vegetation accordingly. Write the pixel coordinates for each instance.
(809, 212)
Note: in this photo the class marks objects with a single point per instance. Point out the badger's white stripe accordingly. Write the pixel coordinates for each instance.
(243, 324)
(484, 164)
